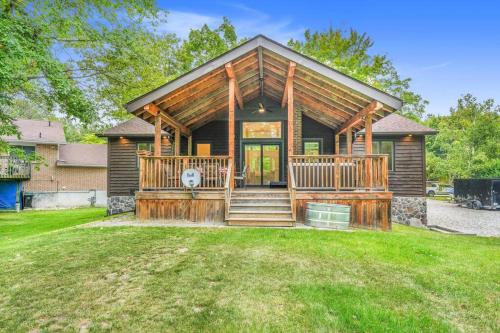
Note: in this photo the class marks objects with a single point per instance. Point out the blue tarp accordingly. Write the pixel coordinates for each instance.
(8, 191)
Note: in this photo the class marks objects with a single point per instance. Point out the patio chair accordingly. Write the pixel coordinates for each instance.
(241, 177)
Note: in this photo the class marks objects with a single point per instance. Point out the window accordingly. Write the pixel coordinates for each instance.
(144, 146)
(385, 147)
(262, 130)
(147, 146)
(312, 146)
(203, 149)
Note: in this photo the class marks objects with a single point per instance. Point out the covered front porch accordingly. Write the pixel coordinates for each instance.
(243, 114)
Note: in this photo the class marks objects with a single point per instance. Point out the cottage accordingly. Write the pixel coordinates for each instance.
(293, 129)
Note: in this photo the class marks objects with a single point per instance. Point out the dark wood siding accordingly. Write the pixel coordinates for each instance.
(123, 173)
(214, 133)
(311, 129)
(408, 176)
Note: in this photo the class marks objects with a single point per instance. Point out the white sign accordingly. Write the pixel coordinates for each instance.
(191, 178)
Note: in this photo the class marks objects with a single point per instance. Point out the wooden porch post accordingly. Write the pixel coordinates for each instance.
(368, 149)
(157, 144)
(232, 84)
(190, 145)
(290, 118)
(349, 140)
(337, 144)
(177, 142)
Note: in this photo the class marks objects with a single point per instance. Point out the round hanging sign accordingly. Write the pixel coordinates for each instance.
(191, 178)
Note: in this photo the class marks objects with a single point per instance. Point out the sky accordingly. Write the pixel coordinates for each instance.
(448, 48)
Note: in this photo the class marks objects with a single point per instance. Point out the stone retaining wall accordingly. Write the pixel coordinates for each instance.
(409, 210)
(121, 204)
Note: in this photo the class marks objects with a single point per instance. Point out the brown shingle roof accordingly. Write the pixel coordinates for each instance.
(396, 124)
(81, 154)
(37, 131)
(132, 127)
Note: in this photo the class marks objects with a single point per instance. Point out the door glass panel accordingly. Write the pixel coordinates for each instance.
(270, 164)
(253, 163)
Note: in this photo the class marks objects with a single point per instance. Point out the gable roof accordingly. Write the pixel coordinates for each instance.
(132, 127)
(260, 66)
(396, 124)
(83, 155)
(37, 131)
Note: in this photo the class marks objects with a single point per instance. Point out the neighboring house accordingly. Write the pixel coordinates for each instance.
(70, 174)
(282, 121)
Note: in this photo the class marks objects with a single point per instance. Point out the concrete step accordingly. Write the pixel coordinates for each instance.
(260, 206)
(262, 222)
(279, 214)
(260, 194)
(260, 201)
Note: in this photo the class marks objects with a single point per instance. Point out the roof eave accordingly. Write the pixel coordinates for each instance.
(278, 48)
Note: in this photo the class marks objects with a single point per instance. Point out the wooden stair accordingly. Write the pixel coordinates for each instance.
(260, 207)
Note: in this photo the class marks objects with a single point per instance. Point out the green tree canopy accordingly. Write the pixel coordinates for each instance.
(349, 53)
(468, 142)
(42, 45)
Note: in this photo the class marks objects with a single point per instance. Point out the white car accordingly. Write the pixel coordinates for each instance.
(431, 189)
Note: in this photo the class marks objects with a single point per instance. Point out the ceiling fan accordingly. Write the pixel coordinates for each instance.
(261, 109)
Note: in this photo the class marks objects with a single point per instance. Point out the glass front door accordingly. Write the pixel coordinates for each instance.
(263, 163)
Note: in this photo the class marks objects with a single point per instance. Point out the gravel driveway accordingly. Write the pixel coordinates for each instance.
(480, 222)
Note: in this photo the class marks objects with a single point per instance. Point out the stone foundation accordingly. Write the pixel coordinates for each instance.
(409, 210)
(121, 204)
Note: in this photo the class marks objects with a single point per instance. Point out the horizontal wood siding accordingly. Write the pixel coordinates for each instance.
(215, 133)
(123, 171)
(408, 176)
(311, 129)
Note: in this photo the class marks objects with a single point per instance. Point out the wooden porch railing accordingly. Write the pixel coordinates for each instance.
(340, 172)
(14, 168)
(292, 188)
(164, 172)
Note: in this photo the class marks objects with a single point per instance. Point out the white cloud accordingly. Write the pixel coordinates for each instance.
(248, 22)
(180, 23)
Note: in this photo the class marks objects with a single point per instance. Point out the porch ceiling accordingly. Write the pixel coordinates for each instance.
(322, 98)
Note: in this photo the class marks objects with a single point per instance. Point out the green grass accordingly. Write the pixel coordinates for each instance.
(239, 279)
(14, 225)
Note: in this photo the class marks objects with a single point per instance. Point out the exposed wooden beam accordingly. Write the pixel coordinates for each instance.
(289, 80)
(190, 145)
(237, 92)
(261, 71)
(154, 110)
(369, 110)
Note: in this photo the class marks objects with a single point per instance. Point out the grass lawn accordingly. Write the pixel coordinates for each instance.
(242, 279)
(14, 225)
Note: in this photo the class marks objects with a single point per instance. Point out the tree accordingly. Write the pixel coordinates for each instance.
(205, 44)
(348, 52)
(468, 142)
(42, 44)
